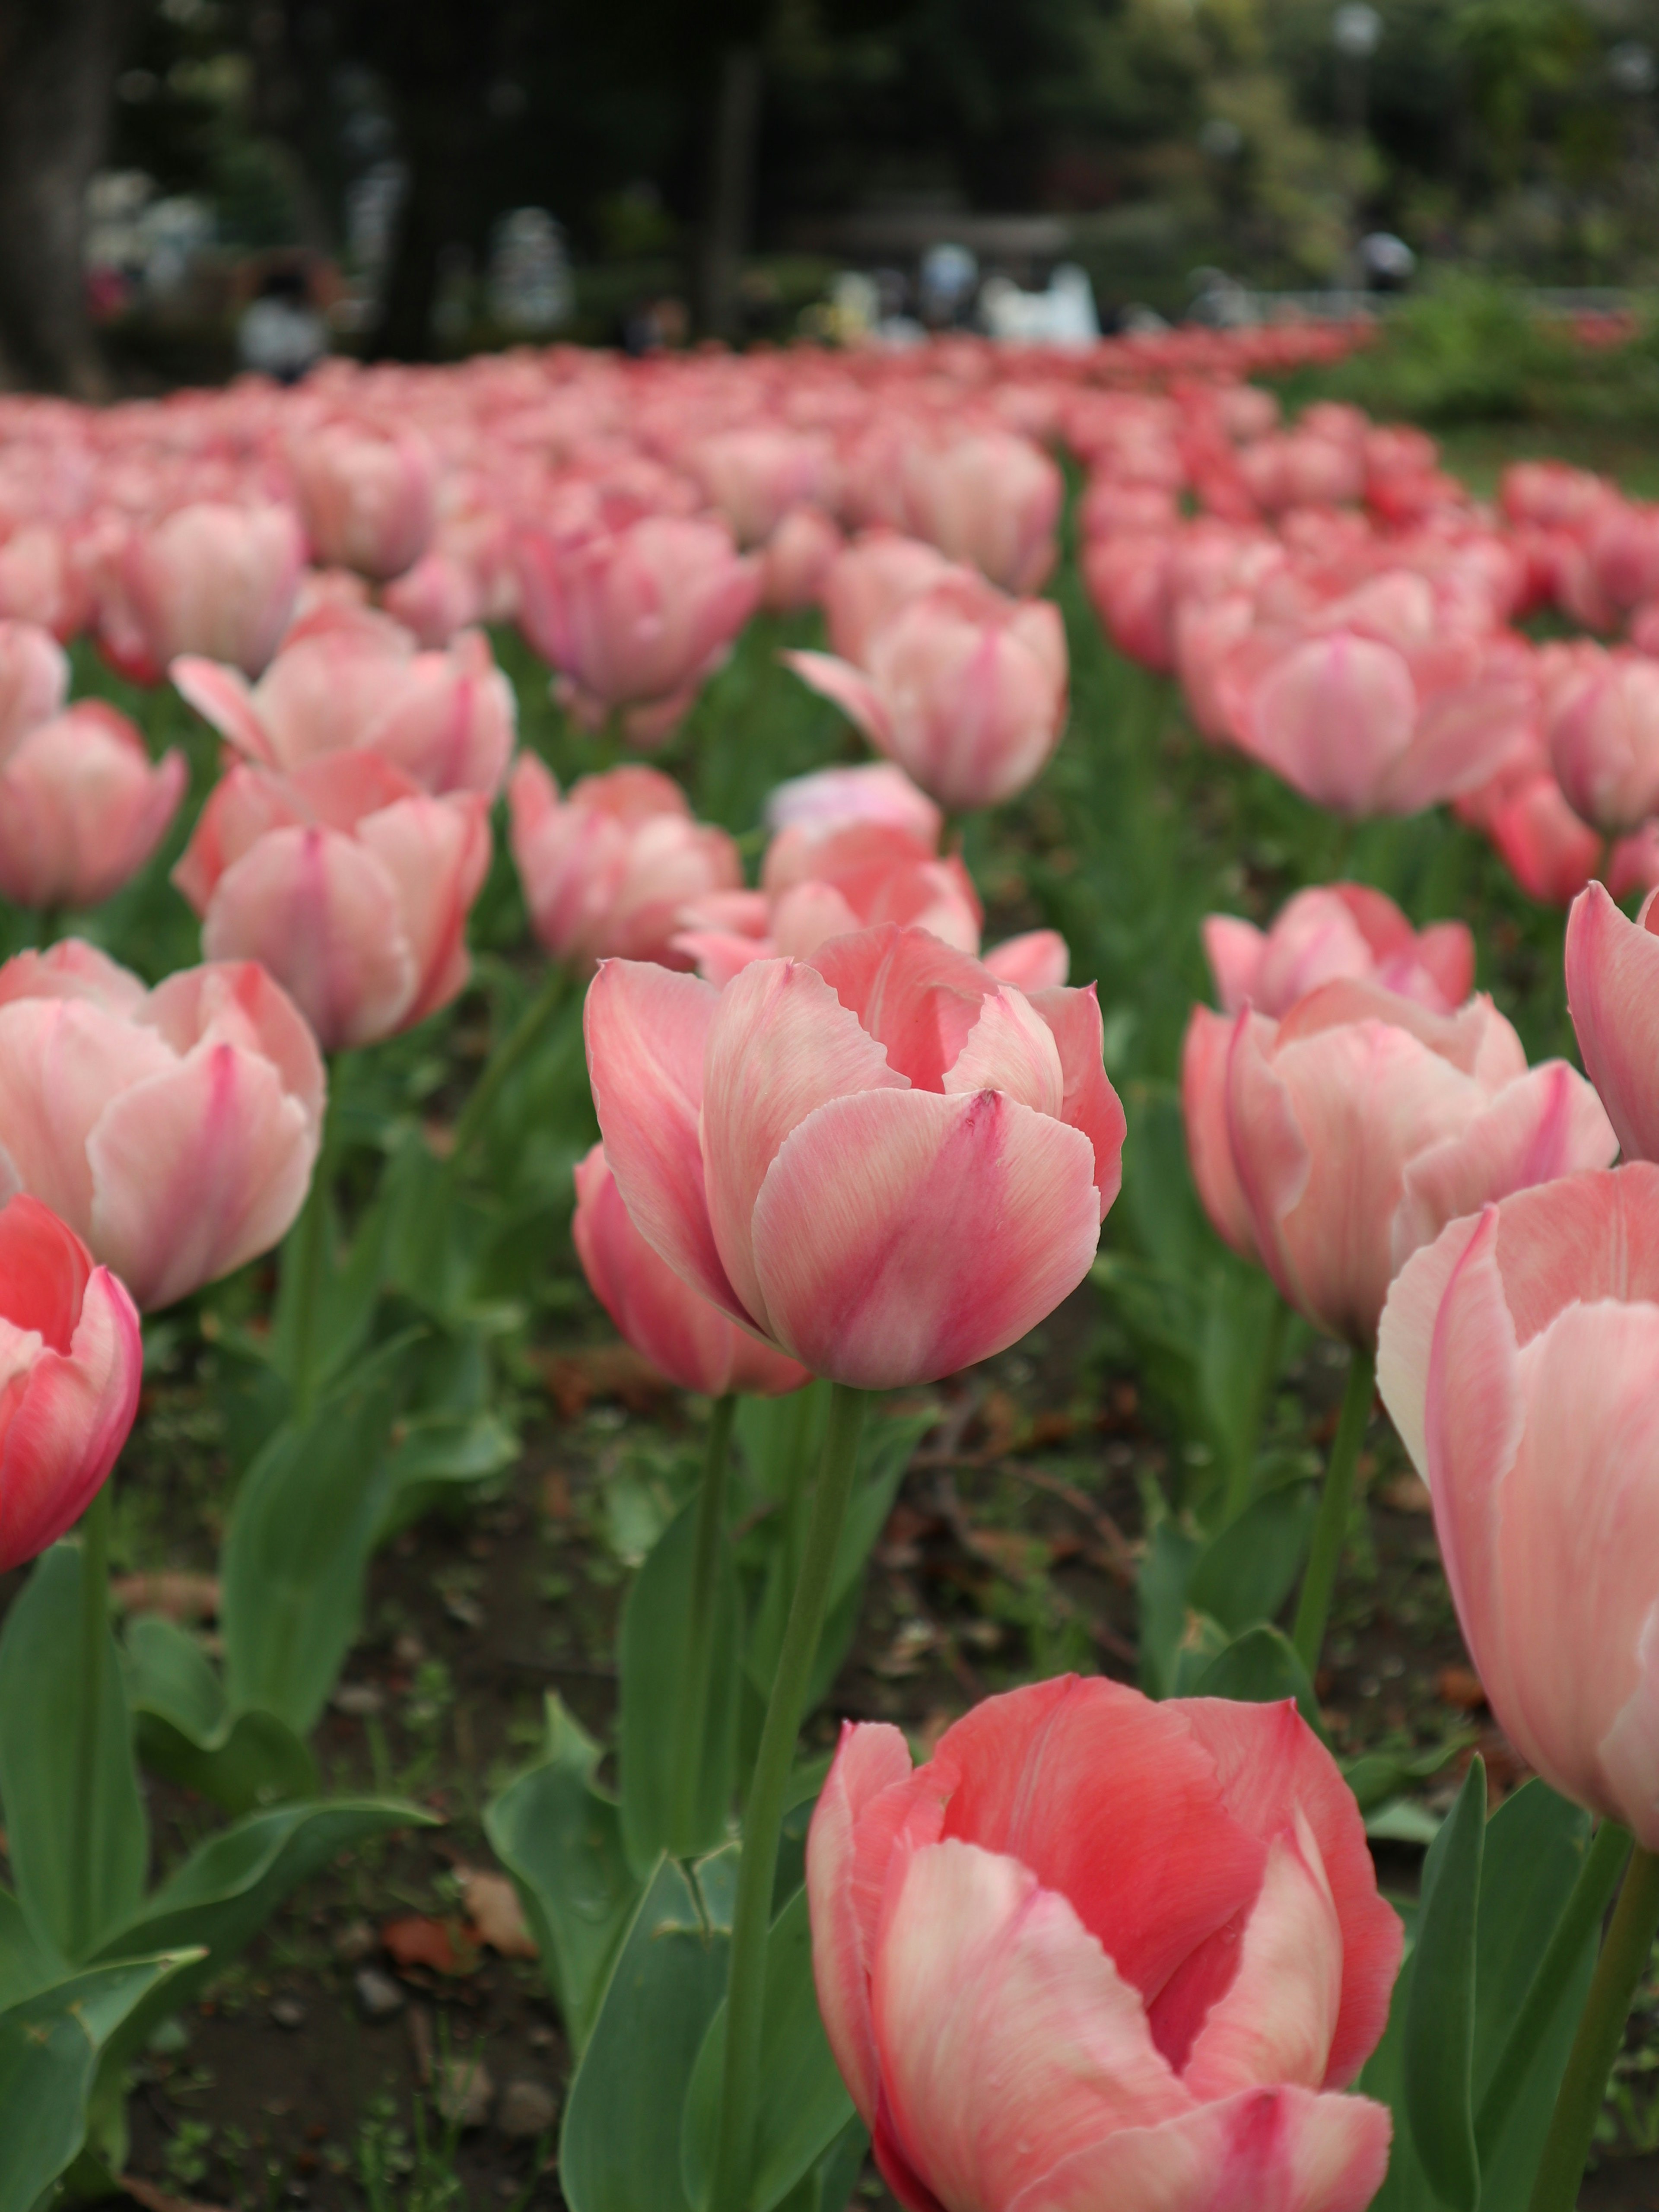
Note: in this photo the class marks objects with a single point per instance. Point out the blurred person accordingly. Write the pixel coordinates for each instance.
(281, 334)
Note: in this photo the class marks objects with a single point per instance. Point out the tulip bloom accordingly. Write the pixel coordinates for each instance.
(797, 558)
(608, 869)
(1520, 1362)
(346, 678)
(666, 1322)
(1348, 1134)
(881, 1158)
(1337, 930)
(966, 689)
(872, 580)
(1104, 1955)
(209, 579)
(82, 808)
(368, 502)
(71, 1361)
(756, 477)
(349, 882)
(1612, 992)
(33, 680)
(835, 798)
(174, 1130)
(1602, 722)
(991, 498)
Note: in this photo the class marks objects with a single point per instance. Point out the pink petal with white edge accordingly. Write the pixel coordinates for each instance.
(851, 689)
(900, 1236)
(647, 1032)
(1407, 1333)
(223, 697)
(60, 1062)
(1009, 1049)
(871, 1758)
(237, 1002)
(1612, 991)
(71, 968)
(1275, 2022)
(1234, 950)
(436, 852)
(917, 996)
(1036, 960)
(1089, 1101)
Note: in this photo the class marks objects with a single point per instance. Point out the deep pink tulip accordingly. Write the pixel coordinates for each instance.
(1129, 581)
(1550, 851)
(1520, 1362)
(674, 1327)
(991, 499)
(881, 1158)
(1612, 993)
(175, 1130)
(1104, 1955)
(1601, 724)
(71, 1361)
(872, 580)
(81, 807)
(348, 679)
(608, 868)
(1361, 1123)
(349, 883)
(210, 579)
(966, 689)
(33, 680)
(1335, 930)
(796, 560)
(635, 619)
(367, 500)
(835, 797)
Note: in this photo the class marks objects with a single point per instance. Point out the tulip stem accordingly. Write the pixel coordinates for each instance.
(306, 1253)
(1623, 1961)
(1240, 1486)
(94, 1635)
(1592, 1893)
(758, 1871)
(692, 1735)
(506, 1057)
(1335, 1502)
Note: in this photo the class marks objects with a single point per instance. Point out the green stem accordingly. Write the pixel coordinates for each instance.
(757, 1870)
(1243, 1484)
(1592, 1893)
(1325, 1552)
(506, 1057)
(306, 1254)
(692, 1724)
(94, 1636)
(1623, 1961)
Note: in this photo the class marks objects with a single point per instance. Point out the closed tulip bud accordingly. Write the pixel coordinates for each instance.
(685, 1337)
(1332, 931)
(71, 1361)
(869, 583)
(174, 1130)
(367, 500)
(1601, 721)
(210, 579)
(991, 499)
(433, 600)
(796, 559)
(756, 477)
(881, 1158)
(1612, 992)
(1104, 1955)
(82, 808)
(41, 581)
(33, 680)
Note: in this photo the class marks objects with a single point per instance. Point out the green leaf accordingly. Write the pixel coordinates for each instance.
(1405, 2188)
(351, 1291)
(49, 2047)
(1247, 1570)
(40, 1732)
(561, 1841)
(1439, 2057)
(187, 1731)
(1259, 1668)
(1160, 1594)
(652, 1656)
(804, 2104)
(439, 1452)
(619, 2150)
(26, 1964)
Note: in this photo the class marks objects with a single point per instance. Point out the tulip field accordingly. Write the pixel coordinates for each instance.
(828, 1292)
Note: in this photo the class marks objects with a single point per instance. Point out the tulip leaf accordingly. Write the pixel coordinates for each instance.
(803, 2105)
(439, 1453)
(1260, 1667)
(652, 1654)
(619, 2148)
(188, 1732)
(49, 2047)
(349, 1291)
(560, 1839)
(40, 1732)
(1161, 1594)
(26, 1964)
(1406, 2187)
(1247, 1568)
(1439, 2052)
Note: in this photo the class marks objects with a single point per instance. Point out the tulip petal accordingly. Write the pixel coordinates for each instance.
(1277, 2018)
(1234, 950)
(1089, 1103)
(1209, 1146)
(436, 853)
(60, 1059)
(1406, 1334)
(1612, 991)
(901, 1236)
(1009, 1049)
(916, 996)
(1036, 960)
(223, 697)
(871, 1759)
(67, 1424)
(851, 689)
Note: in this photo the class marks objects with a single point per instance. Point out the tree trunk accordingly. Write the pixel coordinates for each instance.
(404, 331)
(58, 63)
(728, 211)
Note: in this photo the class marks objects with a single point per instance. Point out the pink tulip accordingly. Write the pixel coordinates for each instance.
(874, 578)
(1104, 1955)
(1520, 1362)
(349, 882)
(1204, 1053)
(835, 797)
(1550, 851)
(210, 579)
(71, 1357)
(1601, 723)
(796, 560)
(666, 1322)
(1129, 583)
(608, 870)
(881, 1158)
(41, 581)
(1361, 1123)
(349, 679)
(174, 1130)
(991, 499)
(82, 808)
(1337, 930)
(756, 477)
(368, 502)
(635, 619)
(966, 689)
(434, 599)
(34, 681)
(1612, 992)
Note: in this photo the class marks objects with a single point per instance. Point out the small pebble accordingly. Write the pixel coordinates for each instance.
(409, 1651)
(288, 2012)
(528, 2109)
(464, 2092)
(359, 1701)
(379, 1996)
(353, 1942)
(464, 1610)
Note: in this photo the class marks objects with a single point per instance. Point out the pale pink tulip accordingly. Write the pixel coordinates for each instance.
(991, 499)
(635, 619)
(756, 477)
(880, 1159)
(210, 579)
(1104, 1955)
(796, 560)
(1337, 930)
(33, 680)
(348, 679)
(835, 797)
(82, 808)
(674, 1327)
(349, 883)
(1520, 1362)
(873, 579)
(608, 869)
(174, 1130)
(367, 500)
(1204, 1052)
(1612, 993)
(71, 1361)
(41, 580)
(433, 600)
(1601, 725)
(1361, 1123)
(966, 689)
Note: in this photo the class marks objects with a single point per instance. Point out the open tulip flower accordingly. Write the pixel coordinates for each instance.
(83, 808)
(1334, 930)
(831, 798)
(349, 882)
(879, 1158)
(1104, 1955)
(174, 1130)
(33, 680)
